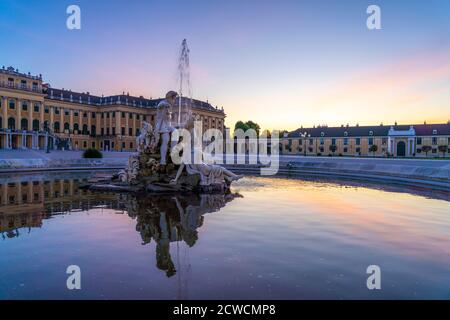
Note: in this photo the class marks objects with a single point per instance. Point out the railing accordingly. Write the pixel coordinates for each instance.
(19, 86)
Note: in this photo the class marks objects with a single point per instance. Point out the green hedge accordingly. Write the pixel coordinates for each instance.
(92, 153)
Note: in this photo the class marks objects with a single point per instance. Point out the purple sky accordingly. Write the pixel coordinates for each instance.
(280, 63)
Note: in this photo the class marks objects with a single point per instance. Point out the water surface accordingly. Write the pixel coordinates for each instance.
(271, 238)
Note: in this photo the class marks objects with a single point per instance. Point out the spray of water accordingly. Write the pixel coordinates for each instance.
(184, 82)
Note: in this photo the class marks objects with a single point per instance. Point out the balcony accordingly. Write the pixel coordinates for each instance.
(19, 86)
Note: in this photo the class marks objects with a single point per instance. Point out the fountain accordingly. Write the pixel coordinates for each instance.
(151, 169)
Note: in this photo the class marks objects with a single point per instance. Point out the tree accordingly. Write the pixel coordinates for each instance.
(247, 125)
(254, 126)
(373, 148)
(333, 148)
(443, 149)
(426, 149)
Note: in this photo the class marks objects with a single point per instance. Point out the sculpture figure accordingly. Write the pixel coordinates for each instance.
(164, 123)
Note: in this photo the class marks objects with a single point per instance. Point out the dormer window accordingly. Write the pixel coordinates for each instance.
(322, 134)
(345, 134)
(434, 131)
(370, 133)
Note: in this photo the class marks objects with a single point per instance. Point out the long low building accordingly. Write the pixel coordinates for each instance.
(423, 140)
(34, 115)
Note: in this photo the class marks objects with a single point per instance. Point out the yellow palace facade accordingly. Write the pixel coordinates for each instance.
(34, 115)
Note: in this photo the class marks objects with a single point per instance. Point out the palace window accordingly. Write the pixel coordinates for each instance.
(85, 129)
(24, 124)
(66, 112)
(107, 131)
(93, 130)
(137, 132)
(112, 145)
(93, 144)
(345, 149)
(123, 145)
(103, 115)
(93, 115)
(114, 131)
(358, 150)
(76, 127)
(12, 104)
(419, 140)
(66, 126)
(12, 123)
(24, 106)
(345, 142)
(85, 144)
(123, 114)
(23, 84)
(311, 142)
(56, 126)
(322, 141)
(130, 131)
(131, 145)
(300, 142)
(107, 115)
(102, 131)
(358, 141)
(434, 150)
(370, 141)
(122, 131)
(333, 141)
(130, 115)
(384, 141)
(84, 115)
(46, 110)
(56, 111)
(114, 114)
(137, 117)
(144, 118)
(434, 141)
(35, 125)
(75, 114)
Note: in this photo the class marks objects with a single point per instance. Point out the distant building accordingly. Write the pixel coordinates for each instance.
(390, 140)
(34, 115)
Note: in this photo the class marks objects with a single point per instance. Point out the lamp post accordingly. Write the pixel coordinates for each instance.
(304, 135)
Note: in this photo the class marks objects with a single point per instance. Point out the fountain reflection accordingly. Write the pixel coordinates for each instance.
(25, 204)
(166, 219)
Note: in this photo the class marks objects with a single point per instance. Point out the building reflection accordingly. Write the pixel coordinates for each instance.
(164, 219)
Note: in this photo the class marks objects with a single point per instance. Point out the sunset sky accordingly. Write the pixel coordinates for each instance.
(280, 63)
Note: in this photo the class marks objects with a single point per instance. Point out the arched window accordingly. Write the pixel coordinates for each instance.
(93, 130)
(76, 127)
(36, 125)
(12, 123)
(24, 124)
(56, 126)
(66, 126)
(85, 129)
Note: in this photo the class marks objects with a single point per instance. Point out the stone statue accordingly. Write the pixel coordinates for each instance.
(210, 174)
(164, 123)
(147, 139)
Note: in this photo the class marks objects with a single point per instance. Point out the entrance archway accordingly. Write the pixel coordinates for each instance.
(401, 149)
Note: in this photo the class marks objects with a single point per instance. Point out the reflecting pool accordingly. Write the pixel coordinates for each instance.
(271, 238)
